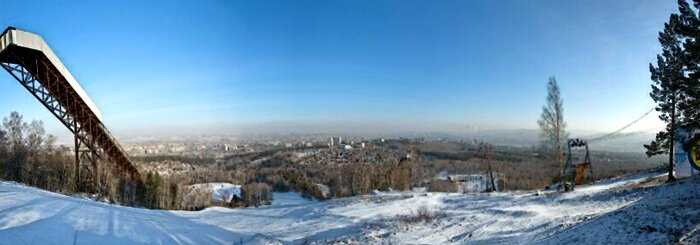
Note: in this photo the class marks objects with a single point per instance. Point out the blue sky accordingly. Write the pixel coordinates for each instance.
(432, 65)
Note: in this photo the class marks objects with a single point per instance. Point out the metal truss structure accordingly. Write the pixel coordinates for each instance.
(577, 172)
(45, 81)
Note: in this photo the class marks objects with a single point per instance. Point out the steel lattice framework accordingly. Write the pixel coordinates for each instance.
(43, 79)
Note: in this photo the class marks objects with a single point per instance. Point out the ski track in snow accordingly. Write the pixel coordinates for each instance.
(602, 213)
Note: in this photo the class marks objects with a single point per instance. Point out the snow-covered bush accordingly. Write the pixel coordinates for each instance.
(422, 214)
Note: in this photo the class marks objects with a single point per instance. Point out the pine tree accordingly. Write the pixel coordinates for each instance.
(552, 125)
(689, 33)
(151, 190)
(670, 87)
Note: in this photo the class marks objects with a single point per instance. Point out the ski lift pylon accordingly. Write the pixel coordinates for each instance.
(576, 173)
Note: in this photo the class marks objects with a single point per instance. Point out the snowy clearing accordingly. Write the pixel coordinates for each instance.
(619, 211)
(220, 192)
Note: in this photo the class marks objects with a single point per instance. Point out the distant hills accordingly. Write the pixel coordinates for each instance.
(624, 142)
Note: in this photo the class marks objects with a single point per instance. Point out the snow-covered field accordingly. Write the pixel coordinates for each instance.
(619, 211)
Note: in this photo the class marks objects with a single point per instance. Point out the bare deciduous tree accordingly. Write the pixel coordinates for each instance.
(552, 124)
(16, 129)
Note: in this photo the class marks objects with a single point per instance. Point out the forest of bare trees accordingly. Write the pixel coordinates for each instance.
(29, 155)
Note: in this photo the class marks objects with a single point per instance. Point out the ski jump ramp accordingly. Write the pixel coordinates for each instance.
(28, 58)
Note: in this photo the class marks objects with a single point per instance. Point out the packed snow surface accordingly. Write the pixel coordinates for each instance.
(221, 192)
(618, 211)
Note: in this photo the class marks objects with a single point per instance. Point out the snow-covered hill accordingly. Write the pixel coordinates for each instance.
(625, 211)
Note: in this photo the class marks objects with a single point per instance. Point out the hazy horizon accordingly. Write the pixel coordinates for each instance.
(347, 67)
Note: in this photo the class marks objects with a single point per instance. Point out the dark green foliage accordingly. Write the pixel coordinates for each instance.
(174, 189)
(256, 194)
(689, 32)
(152, 190)
(675, 77)
(301, 184)
(279, 184)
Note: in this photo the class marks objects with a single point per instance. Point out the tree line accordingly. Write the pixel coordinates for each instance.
(29, 155)
(176, 192)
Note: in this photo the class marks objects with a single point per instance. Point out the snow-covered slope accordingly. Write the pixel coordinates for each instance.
(220, 192)
(614, 211)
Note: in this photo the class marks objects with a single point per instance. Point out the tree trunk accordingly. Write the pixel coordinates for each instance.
(493, 182)
(557, 147)
(672, 133)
